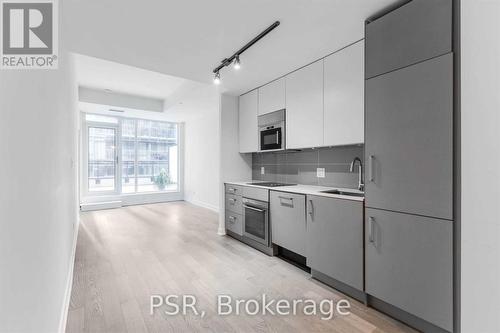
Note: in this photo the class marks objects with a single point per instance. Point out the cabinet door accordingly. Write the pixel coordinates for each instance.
(272, 96)
(409, 264)
(314, 229)
(288, 220)
(248, 130)
(415, 32)
(304, 107)
(335, 239)
(345, 96)
(409, 118)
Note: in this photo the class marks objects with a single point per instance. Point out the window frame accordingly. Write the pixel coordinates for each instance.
(85, 125)
(85, 157)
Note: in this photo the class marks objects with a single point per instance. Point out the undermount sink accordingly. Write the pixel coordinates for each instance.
(352, 194)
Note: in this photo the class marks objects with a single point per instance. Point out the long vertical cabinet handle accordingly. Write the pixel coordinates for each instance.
(311, 208)
(370, 167)
(370, 229)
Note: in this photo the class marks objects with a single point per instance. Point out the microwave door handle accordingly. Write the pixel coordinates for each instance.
(277, 137)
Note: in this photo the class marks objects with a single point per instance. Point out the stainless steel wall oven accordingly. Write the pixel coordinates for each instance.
(256, 220)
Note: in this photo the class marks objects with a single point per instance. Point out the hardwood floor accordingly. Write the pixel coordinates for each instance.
(125, 255)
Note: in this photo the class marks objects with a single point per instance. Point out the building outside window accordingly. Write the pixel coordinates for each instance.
(142, 153)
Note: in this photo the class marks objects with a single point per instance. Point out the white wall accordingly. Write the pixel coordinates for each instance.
(200, 114)
(38, 210)
(480, 228)
(233, 165)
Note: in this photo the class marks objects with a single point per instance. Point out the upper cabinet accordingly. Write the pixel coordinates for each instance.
(272, 96)
(324, 103)
(344, 96)
(304, 107)
(417, 31)
(248, 129)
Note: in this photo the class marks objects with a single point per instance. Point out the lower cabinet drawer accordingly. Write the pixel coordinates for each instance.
(234, 222)
(233, 203)
(234, 189)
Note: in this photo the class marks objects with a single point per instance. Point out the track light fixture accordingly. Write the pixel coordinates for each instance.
(235, 58)
(217, 78)
(236, 62)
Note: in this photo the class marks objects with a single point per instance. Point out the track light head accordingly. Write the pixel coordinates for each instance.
(217, 78)
(236, 63)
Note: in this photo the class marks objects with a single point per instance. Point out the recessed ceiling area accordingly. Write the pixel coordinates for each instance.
(112, 77)
(189, 38)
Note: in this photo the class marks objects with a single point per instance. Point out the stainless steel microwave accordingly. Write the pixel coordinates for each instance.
(272, 131)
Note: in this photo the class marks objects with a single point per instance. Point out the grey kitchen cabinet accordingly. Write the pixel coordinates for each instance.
(416, 31)
(256, 193)
(234, 189)
(272, 96)
(409, 139)
(334, 238)
(247, 129)
(344, 105)
(234, 203)
(409, 264)
(288, 220)
(234, 208)
(234, 222)
(304, 107)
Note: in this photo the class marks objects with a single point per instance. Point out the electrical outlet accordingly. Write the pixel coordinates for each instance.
(262, 170)
(320, 172)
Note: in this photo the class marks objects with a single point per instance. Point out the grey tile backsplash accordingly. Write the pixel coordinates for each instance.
(300, 166)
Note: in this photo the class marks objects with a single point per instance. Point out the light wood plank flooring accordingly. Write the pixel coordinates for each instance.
(125, 255)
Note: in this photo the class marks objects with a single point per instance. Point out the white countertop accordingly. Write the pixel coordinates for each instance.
(305, 189)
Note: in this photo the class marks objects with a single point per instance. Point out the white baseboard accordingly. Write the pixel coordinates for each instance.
(203, 204)
(85, 207)
(69, 282)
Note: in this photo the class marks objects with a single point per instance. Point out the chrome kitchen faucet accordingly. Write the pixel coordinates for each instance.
(361, 185)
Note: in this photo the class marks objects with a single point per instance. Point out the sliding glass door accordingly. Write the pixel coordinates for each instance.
(102, 159)
(127, 156)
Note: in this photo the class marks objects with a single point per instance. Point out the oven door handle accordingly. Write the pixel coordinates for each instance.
(253, 208)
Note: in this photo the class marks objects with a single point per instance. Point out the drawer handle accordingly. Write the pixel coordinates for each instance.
(286, 201)
(232, 219)
(233, 201)
(370, 229)
(232, 190)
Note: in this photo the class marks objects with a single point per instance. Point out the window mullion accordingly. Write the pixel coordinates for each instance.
(136, 164)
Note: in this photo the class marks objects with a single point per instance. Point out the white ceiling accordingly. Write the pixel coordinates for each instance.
(102, 74)
(189, 38)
